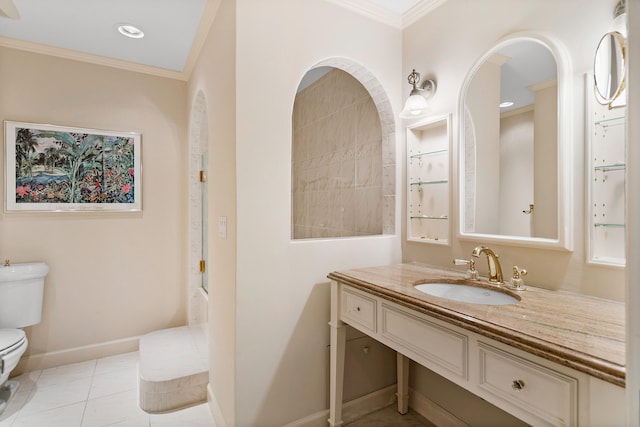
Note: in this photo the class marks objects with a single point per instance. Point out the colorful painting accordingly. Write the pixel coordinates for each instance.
(54, 168)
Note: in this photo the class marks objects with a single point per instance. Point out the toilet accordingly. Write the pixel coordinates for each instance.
(21, 291)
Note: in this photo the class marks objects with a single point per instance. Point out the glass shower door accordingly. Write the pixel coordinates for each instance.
(204, 159)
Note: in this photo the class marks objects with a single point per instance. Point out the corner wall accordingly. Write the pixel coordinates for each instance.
(214, 77)
(282, 289)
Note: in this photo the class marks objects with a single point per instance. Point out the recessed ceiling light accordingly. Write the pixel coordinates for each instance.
(130, 31)
(506, 104)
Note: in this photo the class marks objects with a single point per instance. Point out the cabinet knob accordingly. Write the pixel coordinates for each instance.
(517, 385)
(358, 308)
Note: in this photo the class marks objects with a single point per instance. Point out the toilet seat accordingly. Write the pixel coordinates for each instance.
(10, 339)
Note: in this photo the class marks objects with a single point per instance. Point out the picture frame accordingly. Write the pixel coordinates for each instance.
(50, 168)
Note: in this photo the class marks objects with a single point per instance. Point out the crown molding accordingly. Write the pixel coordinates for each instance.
(206, 21)
(90, 58)
(419, 10)
(386, 16)
(371, 10)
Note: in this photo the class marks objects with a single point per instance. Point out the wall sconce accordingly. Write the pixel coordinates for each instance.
(416, 104)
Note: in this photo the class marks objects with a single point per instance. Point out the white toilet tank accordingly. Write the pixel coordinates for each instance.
(21, 291)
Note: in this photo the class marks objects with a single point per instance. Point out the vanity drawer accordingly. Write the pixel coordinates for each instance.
(434, 346)
(548, 397)
(358, 309)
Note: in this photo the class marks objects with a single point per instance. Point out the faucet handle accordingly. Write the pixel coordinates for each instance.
(517, 283)
(518, 272)
(471, 273)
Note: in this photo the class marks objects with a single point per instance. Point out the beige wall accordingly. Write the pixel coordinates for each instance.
(337, 160)
(471, 29)
(113, 276)
(214, 76)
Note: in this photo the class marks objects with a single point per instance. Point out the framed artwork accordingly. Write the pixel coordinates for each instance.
(62, 169)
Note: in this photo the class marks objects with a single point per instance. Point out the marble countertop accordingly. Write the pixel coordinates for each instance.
(579, 331)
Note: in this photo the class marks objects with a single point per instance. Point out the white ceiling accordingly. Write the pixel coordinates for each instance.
(174, 29)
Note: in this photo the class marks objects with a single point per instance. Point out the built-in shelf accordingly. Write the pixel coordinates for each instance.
(428, 153)
(439, 181)
(610, 121)
(607, 168)
(443, 217)
(428, 239)
(605, 177)
(428, 144)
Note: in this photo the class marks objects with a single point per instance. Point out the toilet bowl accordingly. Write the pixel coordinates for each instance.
(21, 293)
(13, 344)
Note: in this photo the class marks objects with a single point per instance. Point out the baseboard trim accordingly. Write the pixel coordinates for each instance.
(351, 410)
(33, 362)
(214, 408)
(371, 402)
(435, 413)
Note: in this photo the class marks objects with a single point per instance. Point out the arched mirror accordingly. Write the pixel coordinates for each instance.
(609, 68)
(513, 179)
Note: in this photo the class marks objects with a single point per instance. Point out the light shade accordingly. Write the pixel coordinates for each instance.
(415, 106)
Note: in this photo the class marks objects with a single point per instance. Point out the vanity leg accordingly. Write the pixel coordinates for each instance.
(403, 383)
(337, 349)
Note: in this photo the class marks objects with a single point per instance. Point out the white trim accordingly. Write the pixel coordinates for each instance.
(351, 410)
(564, 240)
(419, 10)
(386, 16)
(33, 362)
(206, 21)
(216, 412)
(358, 408)
(90, 58)
(372, 11)
(433, 412)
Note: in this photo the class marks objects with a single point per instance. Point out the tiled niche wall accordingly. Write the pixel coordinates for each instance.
(337, 160)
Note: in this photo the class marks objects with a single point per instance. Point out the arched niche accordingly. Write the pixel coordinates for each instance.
(343, 154)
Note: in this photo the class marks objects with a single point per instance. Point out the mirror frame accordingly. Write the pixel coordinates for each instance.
(564, 239)
(620, 39)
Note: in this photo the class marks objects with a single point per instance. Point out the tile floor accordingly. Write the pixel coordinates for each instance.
(104, 392)
(96, 393)
(389, 417)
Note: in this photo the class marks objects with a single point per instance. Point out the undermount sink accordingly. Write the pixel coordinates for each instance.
(466, 293)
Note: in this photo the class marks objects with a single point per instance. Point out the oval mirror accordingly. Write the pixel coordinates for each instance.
(512, 188)
(609, 67)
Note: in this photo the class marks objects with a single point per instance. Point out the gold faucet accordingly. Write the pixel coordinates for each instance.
(495, 271)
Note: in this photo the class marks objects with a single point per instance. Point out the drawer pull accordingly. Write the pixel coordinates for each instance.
(357, 308)
(517, 385)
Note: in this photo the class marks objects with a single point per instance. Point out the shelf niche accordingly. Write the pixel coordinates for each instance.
(428, 190)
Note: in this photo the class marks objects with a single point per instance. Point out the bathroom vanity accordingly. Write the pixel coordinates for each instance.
(552, 359)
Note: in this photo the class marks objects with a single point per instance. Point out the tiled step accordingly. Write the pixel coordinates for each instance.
(174, 370)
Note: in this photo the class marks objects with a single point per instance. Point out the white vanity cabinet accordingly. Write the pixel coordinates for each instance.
(536, 390)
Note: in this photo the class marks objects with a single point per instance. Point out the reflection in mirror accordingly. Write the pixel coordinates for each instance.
(509, 152)
(337, 171)
(609, 68)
